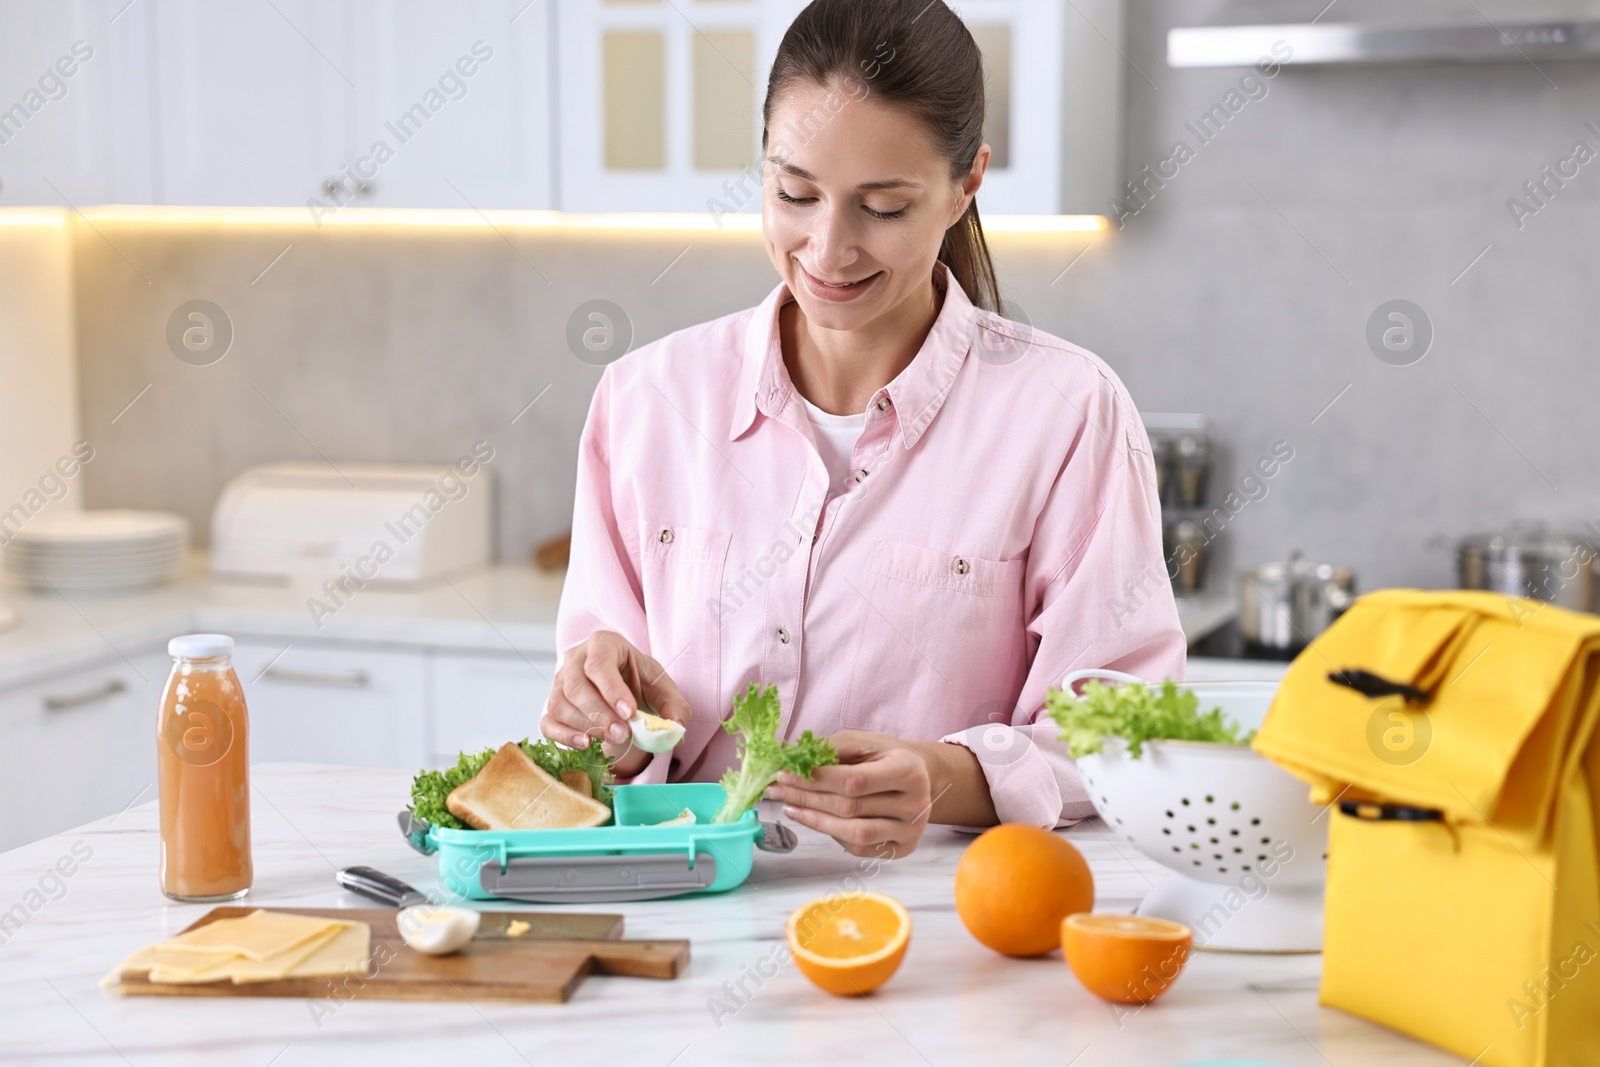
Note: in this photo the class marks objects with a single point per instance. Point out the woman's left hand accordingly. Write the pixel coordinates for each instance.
(875, 802)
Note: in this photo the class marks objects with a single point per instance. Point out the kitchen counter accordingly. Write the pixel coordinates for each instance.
(492, 609)
(500, 609)
(953, 1001)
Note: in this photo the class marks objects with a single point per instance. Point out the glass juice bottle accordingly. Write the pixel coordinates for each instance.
(202, 747)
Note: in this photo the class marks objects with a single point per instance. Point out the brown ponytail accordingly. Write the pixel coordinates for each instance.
(917, 54)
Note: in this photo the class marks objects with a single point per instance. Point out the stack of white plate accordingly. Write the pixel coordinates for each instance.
(98, 549)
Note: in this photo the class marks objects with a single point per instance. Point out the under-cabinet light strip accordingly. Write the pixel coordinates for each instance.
(747, 222)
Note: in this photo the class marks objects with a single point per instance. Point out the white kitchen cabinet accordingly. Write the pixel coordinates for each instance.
(326, 703)
(454, 105)
(74, 121)
(1055, 103)
(80, 746)
(484, 700)
(255, 102)
(581, 105)
(660, 103)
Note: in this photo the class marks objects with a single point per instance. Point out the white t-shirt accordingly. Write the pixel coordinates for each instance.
(836, 439)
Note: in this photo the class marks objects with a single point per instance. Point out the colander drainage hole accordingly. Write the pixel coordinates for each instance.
(1255, 822)
(1191, 829)
(1184, 801)
(1214, 841)
(1197, 863)
(1234, 806)
(1170, 815)
(1210, 799)
(1211, 822)
(1166, 830)
(1233, 833)
(1261, 859)
(1175, 848)
(1266, 840)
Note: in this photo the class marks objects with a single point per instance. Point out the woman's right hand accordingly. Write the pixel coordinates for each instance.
(596, 691)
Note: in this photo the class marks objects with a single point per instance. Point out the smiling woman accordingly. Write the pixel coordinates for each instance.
(905, 512)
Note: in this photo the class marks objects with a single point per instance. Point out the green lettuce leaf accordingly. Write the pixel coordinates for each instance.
(1136, 713)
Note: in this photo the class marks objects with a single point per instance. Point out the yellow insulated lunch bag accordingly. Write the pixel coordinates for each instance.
(1451, 738)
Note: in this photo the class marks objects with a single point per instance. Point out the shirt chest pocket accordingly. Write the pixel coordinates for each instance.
(940, 642)
(681, 571)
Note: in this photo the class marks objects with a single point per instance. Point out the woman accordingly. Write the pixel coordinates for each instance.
(909, 514)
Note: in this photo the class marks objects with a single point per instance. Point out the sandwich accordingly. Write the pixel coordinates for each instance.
(512, 792)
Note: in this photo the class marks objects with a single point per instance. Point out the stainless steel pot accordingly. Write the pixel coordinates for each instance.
(1284, 606)
(1530, 559)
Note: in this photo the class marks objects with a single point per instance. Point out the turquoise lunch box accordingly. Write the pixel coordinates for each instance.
(630, 859)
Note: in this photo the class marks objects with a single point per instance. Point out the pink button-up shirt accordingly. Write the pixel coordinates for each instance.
(1001, 529)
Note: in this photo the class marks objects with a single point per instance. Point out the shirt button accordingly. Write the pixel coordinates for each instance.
(783, 635)
(883, 403)
(666, 537)
(960, 566)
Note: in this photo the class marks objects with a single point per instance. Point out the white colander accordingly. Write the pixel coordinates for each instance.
(1248, 849)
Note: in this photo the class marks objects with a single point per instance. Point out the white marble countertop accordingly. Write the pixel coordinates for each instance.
(953, 1001)
(498, 609)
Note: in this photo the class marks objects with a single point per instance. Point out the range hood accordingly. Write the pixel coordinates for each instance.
(1314, 43)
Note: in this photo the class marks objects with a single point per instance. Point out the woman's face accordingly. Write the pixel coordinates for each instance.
(854, 194)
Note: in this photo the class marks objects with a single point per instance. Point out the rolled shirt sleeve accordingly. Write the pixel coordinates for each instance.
(1098, 596)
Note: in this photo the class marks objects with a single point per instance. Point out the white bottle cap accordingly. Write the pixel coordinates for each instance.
(200, 646)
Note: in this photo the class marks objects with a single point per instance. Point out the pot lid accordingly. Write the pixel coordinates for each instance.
(1521, 539)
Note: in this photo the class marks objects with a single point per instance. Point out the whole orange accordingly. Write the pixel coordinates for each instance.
(1130, 959)
(1016, 883)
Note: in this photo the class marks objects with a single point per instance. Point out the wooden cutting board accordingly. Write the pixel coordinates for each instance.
(544, 965)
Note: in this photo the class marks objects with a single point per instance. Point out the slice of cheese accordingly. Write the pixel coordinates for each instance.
(259, 947)
(348, 953)
(173, 966)
(259, 935)
(244, 969)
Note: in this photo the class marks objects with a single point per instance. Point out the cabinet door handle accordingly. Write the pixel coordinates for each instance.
(353, 678)
(62, 701)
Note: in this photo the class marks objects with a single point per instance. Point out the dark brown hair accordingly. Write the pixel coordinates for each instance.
(920, 56)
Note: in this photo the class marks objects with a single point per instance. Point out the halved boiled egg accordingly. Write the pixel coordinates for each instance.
(437, 931)
(653, 733)
(683, 818)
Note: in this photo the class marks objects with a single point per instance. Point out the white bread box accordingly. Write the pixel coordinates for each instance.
(382, 523)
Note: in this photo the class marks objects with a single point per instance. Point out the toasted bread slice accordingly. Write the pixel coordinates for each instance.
(579, 782)
(514, 793)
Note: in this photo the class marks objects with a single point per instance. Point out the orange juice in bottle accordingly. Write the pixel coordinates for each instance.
(202, 746)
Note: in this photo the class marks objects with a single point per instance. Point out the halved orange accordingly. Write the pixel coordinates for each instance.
(849, 943)
(1130, 959)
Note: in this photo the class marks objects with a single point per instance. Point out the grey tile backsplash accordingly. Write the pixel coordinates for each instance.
(1242, 288)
